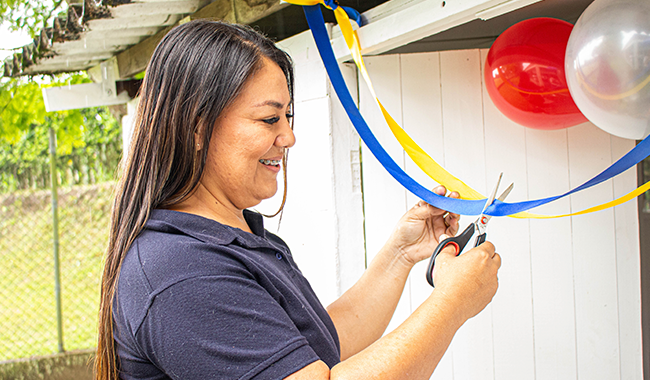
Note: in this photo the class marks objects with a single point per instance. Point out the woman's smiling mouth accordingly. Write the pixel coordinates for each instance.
(270, 162)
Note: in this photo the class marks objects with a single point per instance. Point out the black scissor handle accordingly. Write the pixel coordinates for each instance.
(459, 242)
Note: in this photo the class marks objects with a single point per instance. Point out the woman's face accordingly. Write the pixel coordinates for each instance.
(249, 139)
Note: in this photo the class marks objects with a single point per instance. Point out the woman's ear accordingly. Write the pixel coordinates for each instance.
(198, 135)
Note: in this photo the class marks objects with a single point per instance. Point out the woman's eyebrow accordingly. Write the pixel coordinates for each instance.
(272, 103)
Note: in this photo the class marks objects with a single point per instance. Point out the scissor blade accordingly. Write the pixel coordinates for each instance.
(505, 193)
(484, 219)
(494, 194)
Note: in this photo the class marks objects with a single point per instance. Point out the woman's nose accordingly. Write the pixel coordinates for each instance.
(286, 138)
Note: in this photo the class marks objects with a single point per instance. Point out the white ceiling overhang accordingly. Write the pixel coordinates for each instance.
(126, 32)
(94, 31)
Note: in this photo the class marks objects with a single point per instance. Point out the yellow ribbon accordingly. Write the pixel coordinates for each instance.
(417, 154)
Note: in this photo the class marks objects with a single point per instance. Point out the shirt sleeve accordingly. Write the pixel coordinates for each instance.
(222, 327)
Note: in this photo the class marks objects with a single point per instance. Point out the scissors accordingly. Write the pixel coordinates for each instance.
(480, 226)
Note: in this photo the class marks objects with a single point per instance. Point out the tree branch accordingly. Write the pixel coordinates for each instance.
(56, 6)
(6, 105)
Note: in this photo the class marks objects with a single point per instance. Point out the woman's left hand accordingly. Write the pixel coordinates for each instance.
(419, 231)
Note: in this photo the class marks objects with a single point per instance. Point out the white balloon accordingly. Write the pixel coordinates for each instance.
(607, 65)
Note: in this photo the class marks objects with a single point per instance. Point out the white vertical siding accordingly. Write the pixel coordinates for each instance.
(568, 306)
(384, 198)
(464, 147)
(551, 261)
(627, 267)
(505, 146)
(594, 258)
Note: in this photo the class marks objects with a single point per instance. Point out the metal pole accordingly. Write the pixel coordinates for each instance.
(55, 229)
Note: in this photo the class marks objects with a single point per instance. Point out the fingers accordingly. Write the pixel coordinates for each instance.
(451, 222)
(497, 259)
(450, 219)
(423, 210)
(488, 247)
(447, 253)
(470, 279)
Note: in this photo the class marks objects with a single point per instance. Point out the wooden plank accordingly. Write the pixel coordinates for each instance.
(166, 7)
(138, 32)
(473, 356)
(249, 11)
(416, 20)
(70, 66)
(505, 152)
(594, 257)
(110, 24)
(384, 198)
(551, 259)
(94, 42)
(348, 201)
(79, 96)
(462, 117)
(422, 116)
(390, 205)
(422, 120)
(628, 268)
(99, 56)
(135, 59)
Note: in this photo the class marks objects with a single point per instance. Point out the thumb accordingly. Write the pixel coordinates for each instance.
(449, 251)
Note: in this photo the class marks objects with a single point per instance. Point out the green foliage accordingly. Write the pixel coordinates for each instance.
(88, 140)
(30, 15)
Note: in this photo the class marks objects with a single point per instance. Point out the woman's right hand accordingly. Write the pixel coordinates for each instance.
(464, 286)
(468, 281)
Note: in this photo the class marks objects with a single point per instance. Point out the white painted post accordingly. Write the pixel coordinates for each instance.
(128, 122)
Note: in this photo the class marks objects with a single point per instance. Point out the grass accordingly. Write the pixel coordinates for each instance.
(27, 304)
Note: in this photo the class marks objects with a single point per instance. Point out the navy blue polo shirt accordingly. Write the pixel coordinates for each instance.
(200, 300)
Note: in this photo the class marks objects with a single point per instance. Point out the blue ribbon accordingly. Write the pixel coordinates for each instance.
(352, 13)
(459, 206)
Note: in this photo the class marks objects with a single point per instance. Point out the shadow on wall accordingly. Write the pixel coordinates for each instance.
(74, 365)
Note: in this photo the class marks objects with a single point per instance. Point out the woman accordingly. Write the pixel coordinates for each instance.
(195, 288)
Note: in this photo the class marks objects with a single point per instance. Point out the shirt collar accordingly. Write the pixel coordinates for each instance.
(211, 231)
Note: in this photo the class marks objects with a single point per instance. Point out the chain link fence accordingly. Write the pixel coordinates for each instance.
(28, 317)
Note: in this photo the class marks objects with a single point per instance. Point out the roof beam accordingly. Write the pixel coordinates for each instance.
(135, 59)
(167, 7)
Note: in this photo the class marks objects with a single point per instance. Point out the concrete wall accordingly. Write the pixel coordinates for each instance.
(76, 365)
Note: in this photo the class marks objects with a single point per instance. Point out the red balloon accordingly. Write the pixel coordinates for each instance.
(524, 75)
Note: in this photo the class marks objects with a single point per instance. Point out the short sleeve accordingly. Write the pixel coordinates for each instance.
(222, 327)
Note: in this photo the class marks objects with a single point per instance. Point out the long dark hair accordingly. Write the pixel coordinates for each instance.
(197, 70)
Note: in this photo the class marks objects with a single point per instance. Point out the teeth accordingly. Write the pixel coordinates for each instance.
(270, 162)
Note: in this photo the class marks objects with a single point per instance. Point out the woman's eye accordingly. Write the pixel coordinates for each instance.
(289, 116)
(272, 120)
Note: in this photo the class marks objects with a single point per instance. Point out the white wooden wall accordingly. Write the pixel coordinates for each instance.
(568, 306)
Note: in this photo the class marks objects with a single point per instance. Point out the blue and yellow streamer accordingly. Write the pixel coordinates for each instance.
(472, 202)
